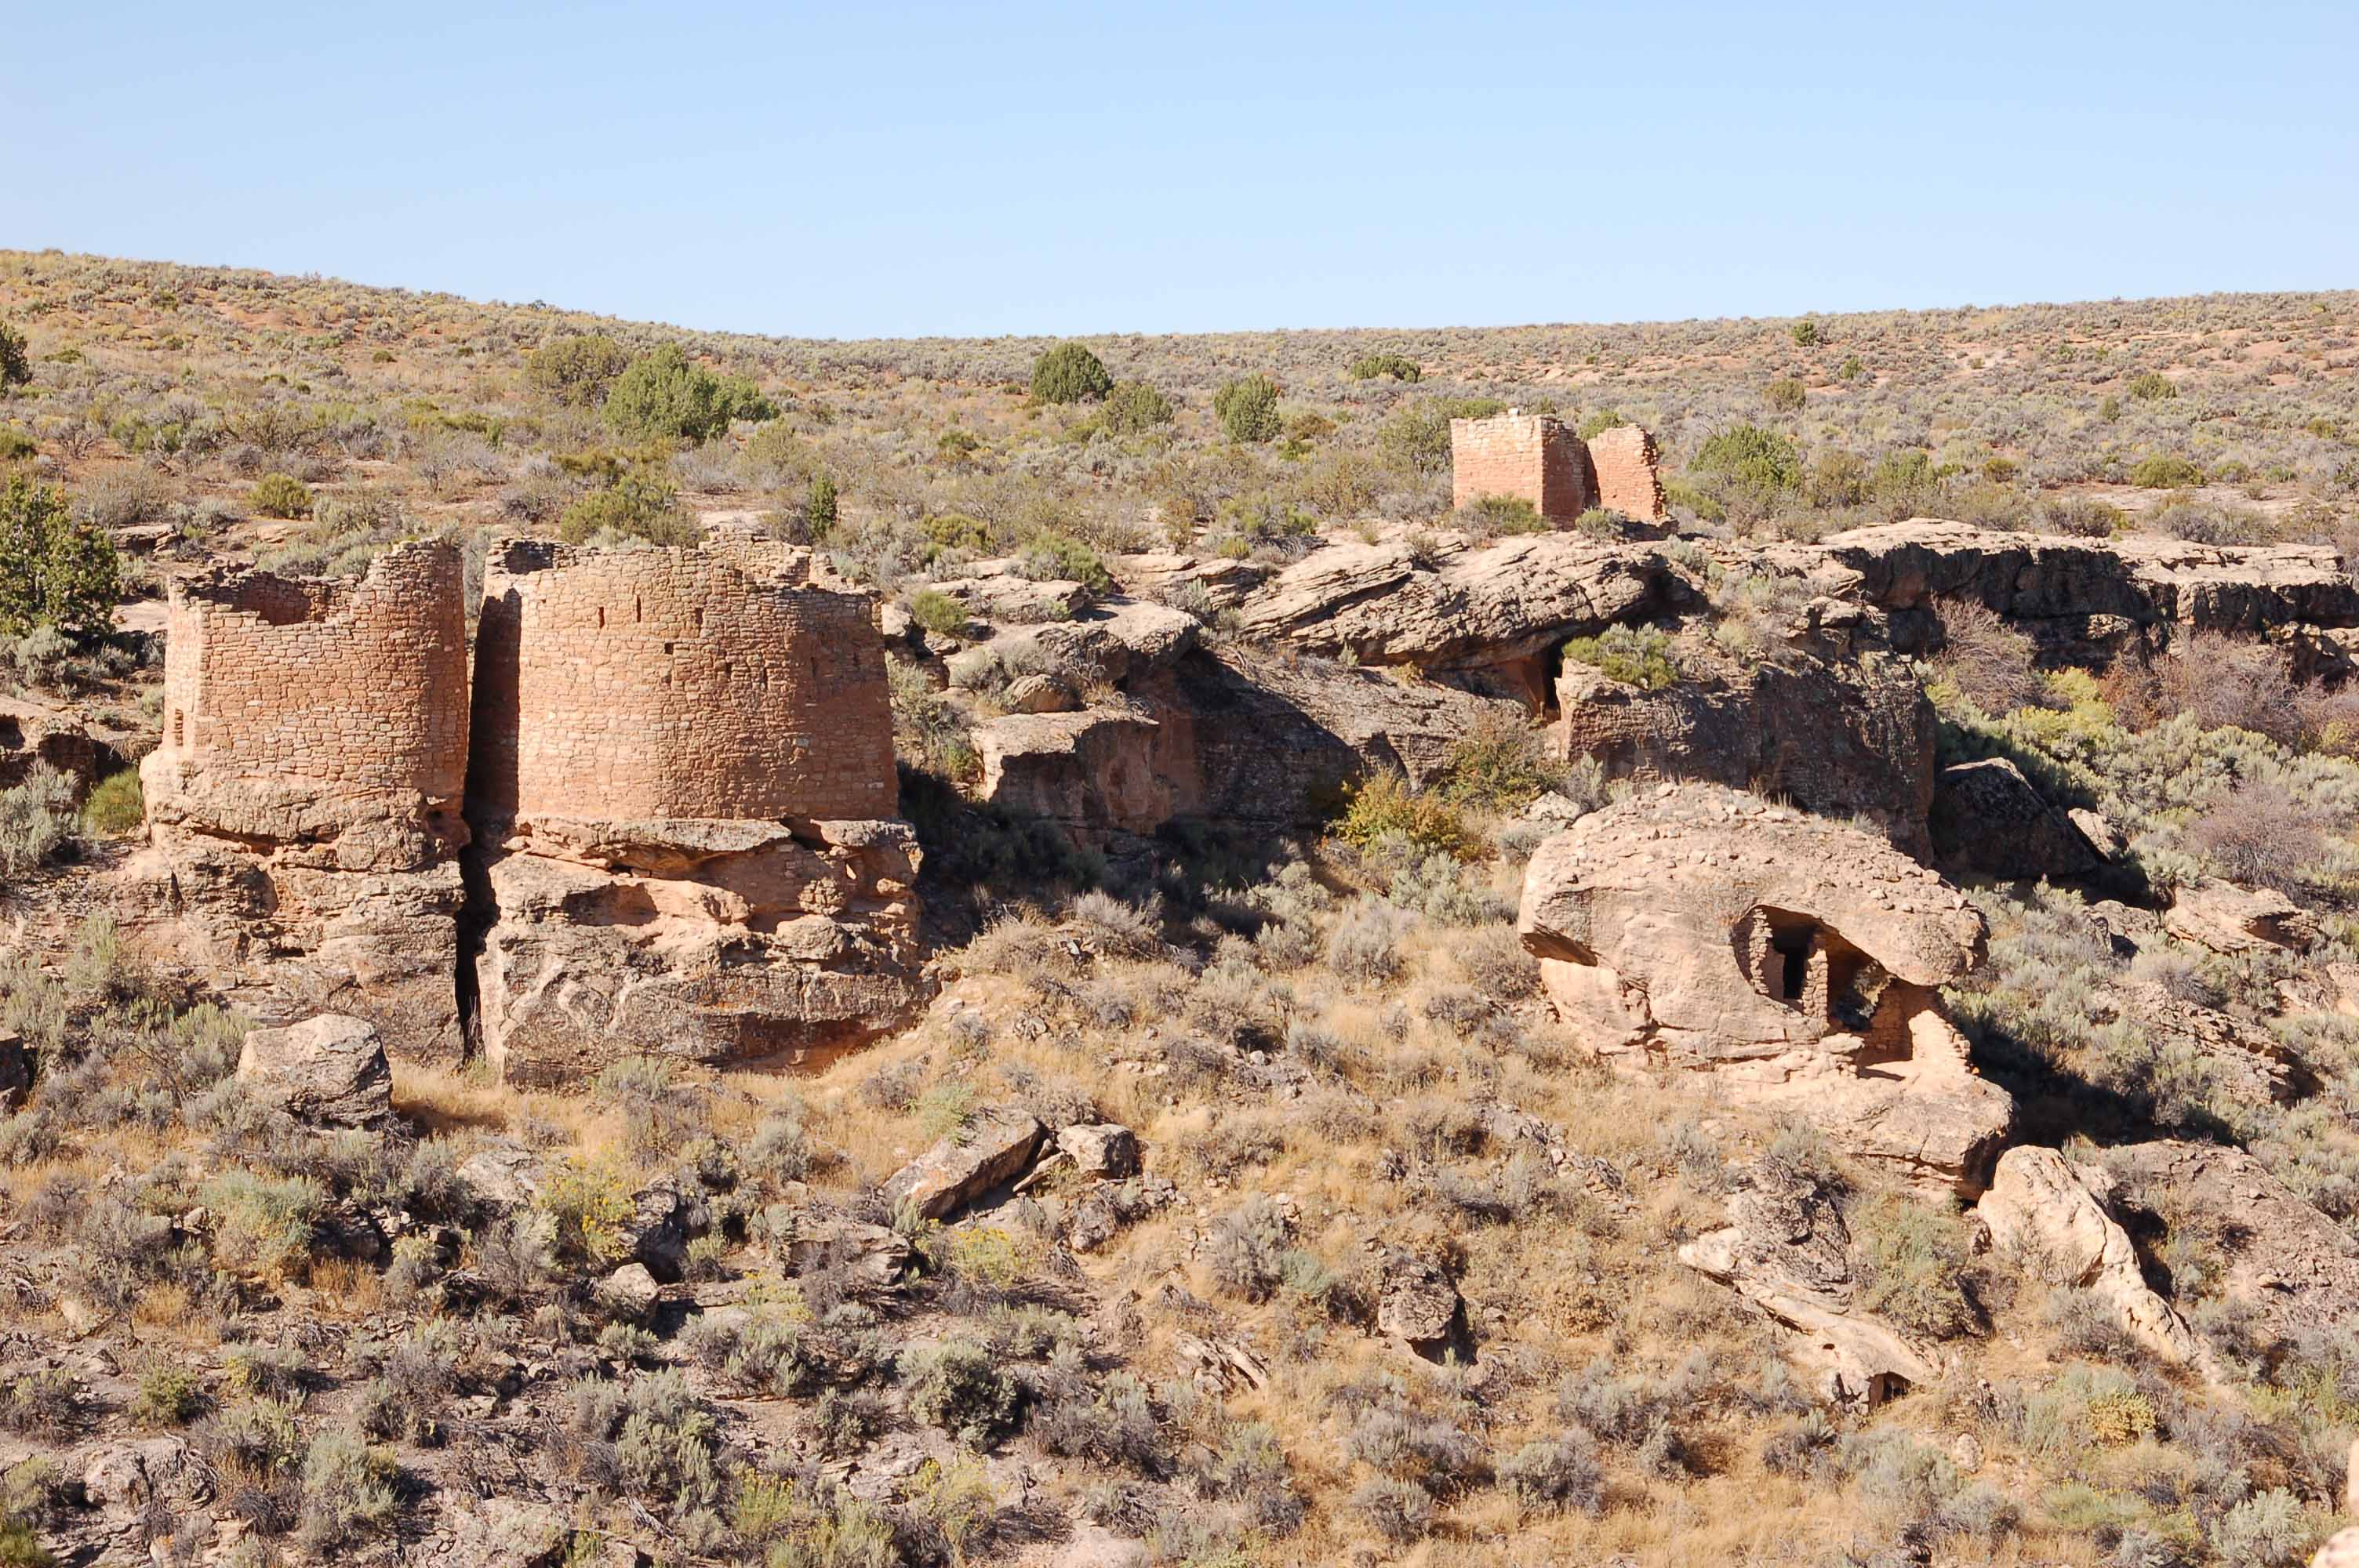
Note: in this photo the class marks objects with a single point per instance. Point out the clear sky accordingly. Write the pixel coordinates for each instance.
(851, 170)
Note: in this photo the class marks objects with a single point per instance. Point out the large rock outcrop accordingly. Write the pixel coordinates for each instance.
(2294, 1268)
(1842, 735)
(303, 807)
(1797, 959)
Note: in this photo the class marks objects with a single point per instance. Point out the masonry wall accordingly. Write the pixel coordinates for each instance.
(618, 684)
(1530, 456)
(1629, 480)
(361, 688)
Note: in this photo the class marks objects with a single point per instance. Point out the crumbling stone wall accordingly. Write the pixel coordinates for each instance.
(303, 807)
(1626, 473)
(354, 690)
(1530, 457)
(629, 684)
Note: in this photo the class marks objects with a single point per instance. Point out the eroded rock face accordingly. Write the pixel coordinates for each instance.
(2051, 1213)
(1988, 818)
(1839, 735)
(725, 942)
(1450, 606)
(2293, 1266)
(2229, 919)
(1787, 1250)
(1798, 959)
(992, 1149)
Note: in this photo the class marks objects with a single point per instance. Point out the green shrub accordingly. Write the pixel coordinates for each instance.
(263, 1224)
(819, 507)
(1490, 515)
(36, 820)
(348, 1491)
(16, 361)
(168, 1396)
(1912, 1268)
(1133, 408)
(20, 1548)
(1807, 333)
(1400, 367)
(1069, 373)
(16, 445)
(641, 504)
(1385, 804)
(1759, 466)
(1418, 435)
(664, 396)
(590, 1208)
(115, 804)
(1852, 369)
(1501, 763)
(1785, 395)
(1054, 557)
(279, 495)
(2163, 472)
(962, 1389)
(1248, 409)
(577, 371)
(1598, 422)
(1640, 657)
(938, 612)
(55, 569)
(2153, 387)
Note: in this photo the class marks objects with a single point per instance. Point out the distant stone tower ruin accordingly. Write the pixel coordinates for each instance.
(1535, 457)
(684, 787)
(304, 802)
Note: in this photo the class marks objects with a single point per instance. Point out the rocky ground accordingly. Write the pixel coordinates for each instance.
(1738, 1041)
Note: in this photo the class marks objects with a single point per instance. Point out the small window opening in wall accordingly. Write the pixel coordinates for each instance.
(668, 647)
(602, 617)
(179, 728)
(814, 665)
(700, 620)
(635, 614)
(1793, 970)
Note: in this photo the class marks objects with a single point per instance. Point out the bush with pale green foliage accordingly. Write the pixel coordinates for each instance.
(1070, 373)
(280, 495)
(1248, 409)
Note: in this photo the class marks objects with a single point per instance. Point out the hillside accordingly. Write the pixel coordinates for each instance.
(686, 948)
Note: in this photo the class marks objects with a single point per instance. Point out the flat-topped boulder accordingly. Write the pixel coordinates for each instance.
(1797, 958)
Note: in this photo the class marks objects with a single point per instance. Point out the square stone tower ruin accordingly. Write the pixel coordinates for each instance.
(1534, 457)
(304, 802)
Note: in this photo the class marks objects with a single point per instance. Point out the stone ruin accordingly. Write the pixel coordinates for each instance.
(1534, 457)
(1797, 959)
(660, 817)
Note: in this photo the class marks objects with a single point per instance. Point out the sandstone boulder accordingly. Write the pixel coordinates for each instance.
(2229, 919)
(330, 1070)
(991, 1150)
(2051, 1214)
(1091, 773)
(502, 1177)
(1988, 818)
(629, 1294)
(1099, 1149)
(1164, 576)
(1450, 606)
(1006, 596)
(807, 1239)
(2340, 1549)
(1787, 1250)
(1798, 959)
(1039, 693)
(1417, 1304)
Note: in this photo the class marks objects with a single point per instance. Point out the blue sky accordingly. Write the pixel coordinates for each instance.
(850, 171)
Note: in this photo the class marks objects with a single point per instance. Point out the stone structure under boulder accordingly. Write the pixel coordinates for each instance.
(303, 807)
(684, 795)
(1797, 959)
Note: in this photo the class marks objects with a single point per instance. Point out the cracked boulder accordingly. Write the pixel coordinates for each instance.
(990, 1150)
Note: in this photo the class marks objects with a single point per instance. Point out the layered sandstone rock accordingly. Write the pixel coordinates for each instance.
(2295, 1268)
(2051, 1215)
(303, 807)
(1834, 734)
(1987, 818)
(1449, 606)
(1797, 959)
(683, 786)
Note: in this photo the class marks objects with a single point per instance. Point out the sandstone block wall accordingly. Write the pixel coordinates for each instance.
(627, 684)
(357, 691)
(1628, 479)
(1530, 456)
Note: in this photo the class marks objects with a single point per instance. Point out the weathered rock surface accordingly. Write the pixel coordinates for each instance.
(807, 1239)
(1797, 958)
(34, 731)
(1163, 575)
(1450, 606)
(1099, 1149)
(1417, 1304)
(2137, 581)
(629, 1293)
(713, 941)
(2051, 1213)
(1987, 818)
(1092, 772)
(2295, 1267)
(330, 1070)
(1838, 735)
(1787, 1250)
(992, 1149)
(2229, 919)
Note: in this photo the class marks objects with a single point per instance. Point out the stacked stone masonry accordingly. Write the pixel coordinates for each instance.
(618, 684)
(1533, 458)
(1523, 457)
(696, 738)
(356, 690)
